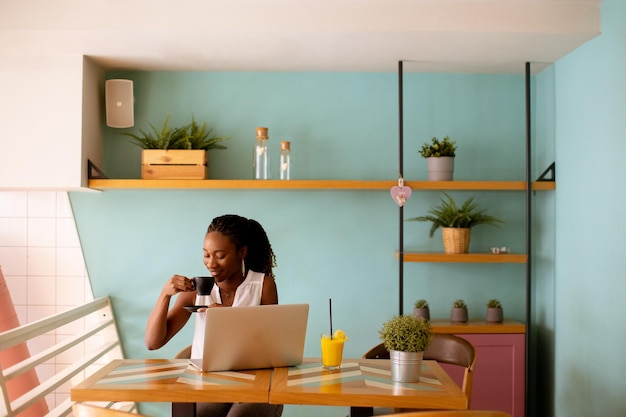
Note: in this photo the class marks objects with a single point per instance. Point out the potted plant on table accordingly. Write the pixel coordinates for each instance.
(176, 152)
(456, 222)
(439, 158)
(421, 309)
(406, 337)
(458, 313)
(494, 311)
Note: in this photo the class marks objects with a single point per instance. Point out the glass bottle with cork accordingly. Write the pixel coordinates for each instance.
(285, 160)
(261, 161)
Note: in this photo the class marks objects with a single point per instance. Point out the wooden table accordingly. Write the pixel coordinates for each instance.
(360, 383)
(364, 383)
(175, 381)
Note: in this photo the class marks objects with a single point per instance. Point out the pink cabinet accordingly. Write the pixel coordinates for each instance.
(499, 377)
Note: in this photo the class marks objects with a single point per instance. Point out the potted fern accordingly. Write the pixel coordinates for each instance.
(421, 309)
(406, 338)
(494, 311)
(456, 222)
(458, 313)
(439, 158)
(176, 152)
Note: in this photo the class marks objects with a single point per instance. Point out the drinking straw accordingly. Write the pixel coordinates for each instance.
(330, 309)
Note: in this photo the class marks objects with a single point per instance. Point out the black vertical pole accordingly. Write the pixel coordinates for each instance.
(528, 233)
(401, 209)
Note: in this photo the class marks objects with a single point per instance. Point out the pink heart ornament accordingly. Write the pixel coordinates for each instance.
(400, 194)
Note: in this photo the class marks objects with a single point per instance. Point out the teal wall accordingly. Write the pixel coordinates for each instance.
(329, 244)
(590, 199)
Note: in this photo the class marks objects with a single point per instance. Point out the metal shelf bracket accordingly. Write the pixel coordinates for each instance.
(549, 170)
(91, 168)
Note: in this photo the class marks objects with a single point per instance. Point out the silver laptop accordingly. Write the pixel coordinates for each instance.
(255, 337)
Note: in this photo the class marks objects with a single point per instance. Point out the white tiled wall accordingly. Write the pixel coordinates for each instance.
(42, 263)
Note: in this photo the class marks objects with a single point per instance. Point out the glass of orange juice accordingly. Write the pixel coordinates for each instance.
(332, 351)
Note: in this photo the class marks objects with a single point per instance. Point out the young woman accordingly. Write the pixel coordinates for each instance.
(240, 258)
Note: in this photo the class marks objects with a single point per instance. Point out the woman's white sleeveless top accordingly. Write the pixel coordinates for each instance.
(248, 294)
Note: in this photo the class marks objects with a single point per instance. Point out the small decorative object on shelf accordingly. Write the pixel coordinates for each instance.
(406, 337)
(421, 309)
(494, 311)
(177, 152)
(499, 250)
(401, 193)
(456, 222)
(459, 312)
(285, 161)
(439, 158)
(261, 161)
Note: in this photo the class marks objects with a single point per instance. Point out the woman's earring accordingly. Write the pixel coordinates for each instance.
(243, 267)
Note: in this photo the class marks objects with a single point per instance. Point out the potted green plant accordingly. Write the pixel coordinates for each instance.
(439, 158)
(406, 337)
(494, 311)
(421, 309)
(458, 313)
(456, 222)
(189, 136)
(176, 152)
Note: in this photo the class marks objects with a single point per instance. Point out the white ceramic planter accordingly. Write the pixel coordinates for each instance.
(440, 168)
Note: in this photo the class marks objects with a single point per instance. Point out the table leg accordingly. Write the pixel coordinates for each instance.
(183, 409)
(361, 411)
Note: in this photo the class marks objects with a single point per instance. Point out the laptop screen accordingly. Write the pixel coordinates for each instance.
(255, 337)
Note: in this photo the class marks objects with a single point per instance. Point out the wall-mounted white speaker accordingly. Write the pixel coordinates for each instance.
(119, 103)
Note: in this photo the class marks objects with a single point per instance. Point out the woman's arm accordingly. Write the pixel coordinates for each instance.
(269, 294)
(164, 323)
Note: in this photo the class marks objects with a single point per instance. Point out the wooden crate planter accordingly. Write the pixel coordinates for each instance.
(177, 164)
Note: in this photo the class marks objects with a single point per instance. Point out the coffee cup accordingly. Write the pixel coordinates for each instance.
(203, 285)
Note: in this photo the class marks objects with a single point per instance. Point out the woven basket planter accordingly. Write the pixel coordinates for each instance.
(455, 240)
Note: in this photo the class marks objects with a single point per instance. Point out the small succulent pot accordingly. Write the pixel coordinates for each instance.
(423, 312)
(495, 315)
(494, 311)
(458, 314)
(459, 311)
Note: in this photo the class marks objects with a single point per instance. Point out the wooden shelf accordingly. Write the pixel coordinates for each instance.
(480, 185)
(110, 184)
(511, 258)
(242, 184)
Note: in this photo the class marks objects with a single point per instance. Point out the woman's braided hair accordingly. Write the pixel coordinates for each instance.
(247, 232)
